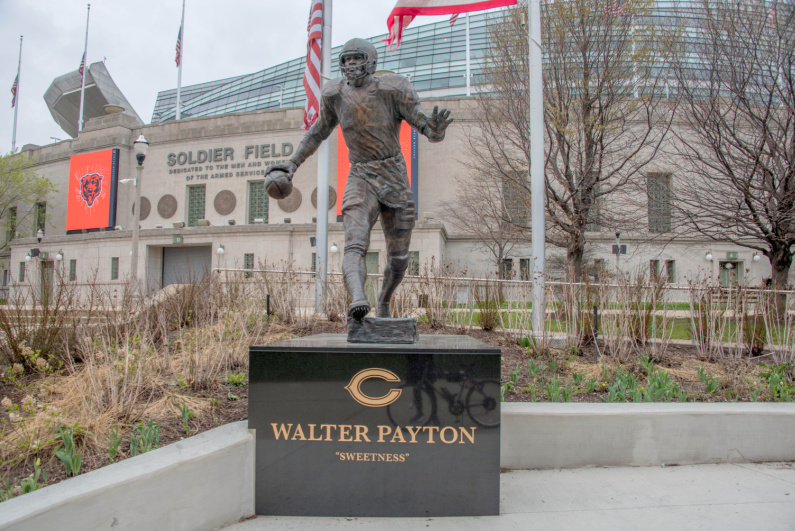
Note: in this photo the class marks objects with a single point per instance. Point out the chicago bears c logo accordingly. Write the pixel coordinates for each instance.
(90, 187)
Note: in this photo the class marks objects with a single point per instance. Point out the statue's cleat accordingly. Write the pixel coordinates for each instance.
(359, 309)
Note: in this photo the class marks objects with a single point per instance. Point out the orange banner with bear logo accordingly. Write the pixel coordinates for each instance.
(91, 193)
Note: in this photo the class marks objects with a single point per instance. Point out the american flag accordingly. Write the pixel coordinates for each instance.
(771, 17)
(617, 7)
(82, 67)
(405, 11)
(14, 91)
(453, 19)
(312, 73)
(179, 46)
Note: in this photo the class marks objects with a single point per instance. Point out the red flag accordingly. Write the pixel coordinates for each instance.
(405, 11)
(179, 46)
(14, 91)
(82, 67)
(617, 7)
(312, 72)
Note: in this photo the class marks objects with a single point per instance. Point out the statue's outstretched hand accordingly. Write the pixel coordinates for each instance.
(287, 167)
(437, 123)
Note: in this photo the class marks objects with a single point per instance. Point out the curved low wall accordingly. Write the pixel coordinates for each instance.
(207, 481)
(576, 435)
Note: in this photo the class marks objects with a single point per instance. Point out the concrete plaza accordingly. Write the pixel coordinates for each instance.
(703, 497)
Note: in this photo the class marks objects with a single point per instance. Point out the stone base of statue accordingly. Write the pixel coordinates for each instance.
(376, 430)
(383, 330)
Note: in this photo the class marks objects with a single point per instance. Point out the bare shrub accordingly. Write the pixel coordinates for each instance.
(436, 290)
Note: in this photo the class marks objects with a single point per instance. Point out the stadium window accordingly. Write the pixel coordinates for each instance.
(506, 269)
(41, 216)
(196, 195)
(414, 263)
(670, 270)
(22, 271)
(658, 189)
(516, 199)
(654, 270)
(114, 268)
(257, 202)
(248, 263)
(524, 269)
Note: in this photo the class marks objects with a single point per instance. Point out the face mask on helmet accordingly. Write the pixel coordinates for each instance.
(355, 64)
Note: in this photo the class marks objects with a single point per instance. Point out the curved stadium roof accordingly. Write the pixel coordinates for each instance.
(433, 56)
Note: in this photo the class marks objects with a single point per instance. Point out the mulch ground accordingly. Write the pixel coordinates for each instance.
(679, 361)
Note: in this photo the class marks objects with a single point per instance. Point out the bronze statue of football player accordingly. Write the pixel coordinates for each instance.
(370, 111)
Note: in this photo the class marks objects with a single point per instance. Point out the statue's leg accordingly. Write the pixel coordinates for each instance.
(398, 239)
(360, 213)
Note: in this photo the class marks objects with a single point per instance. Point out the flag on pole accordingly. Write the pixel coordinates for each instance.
(14, 91)
(312, 73)
(617, 8)
(771, 17)
(179, 46)
(453, 19)
(82, 67)
(405, 11)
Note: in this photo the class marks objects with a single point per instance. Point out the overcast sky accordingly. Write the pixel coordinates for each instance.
(137, 40)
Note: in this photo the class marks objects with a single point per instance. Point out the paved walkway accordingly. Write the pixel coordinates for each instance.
(702, 497)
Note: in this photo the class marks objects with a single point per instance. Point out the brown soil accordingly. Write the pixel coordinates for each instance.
(681, 363)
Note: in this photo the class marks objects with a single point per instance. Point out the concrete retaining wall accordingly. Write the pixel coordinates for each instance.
(207, 481)
(204, 482)
(576, 435)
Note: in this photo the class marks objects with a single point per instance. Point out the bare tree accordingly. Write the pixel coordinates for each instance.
(739, 143)
(605, 110)
(484, 209)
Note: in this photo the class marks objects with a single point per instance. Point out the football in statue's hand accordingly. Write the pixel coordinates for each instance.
(278, 184)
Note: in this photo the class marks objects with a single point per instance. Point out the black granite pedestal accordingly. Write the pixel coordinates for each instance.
(348, 429)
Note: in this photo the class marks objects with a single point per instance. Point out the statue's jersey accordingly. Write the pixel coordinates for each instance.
(370, 119)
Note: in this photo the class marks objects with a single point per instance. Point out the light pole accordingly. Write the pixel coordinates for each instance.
(140, 146)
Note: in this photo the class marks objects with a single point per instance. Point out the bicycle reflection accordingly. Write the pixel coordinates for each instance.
(418, 404)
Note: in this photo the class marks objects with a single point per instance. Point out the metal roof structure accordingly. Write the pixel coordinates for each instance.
(63, 98)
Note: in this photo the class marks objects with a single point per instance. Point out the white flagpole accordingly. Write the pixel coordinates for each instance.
(181, 60)
(468, 60)
(537, 185)
(81, 122)
(323, 169)
(16, 99)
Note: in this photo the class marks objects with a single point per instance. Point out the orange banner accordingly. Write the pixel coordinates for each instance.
(344, 165)
(91, 193)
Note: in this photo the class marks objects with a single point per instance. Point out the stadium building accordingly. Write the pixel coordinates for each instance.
(203, 203)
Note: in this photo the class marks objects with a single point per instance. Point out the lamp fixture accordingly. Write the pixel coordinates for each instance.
(334, 248)
(127, 181)
(708, 256)
(118, 227)
(140, 145)
(39, 235)
(59, 256)
(28, 258)
(220, 249)
(728, 265)
(756, 257)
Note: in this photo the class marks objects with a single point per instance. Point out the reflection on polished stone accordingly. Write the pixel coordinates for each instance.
(348, 429)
